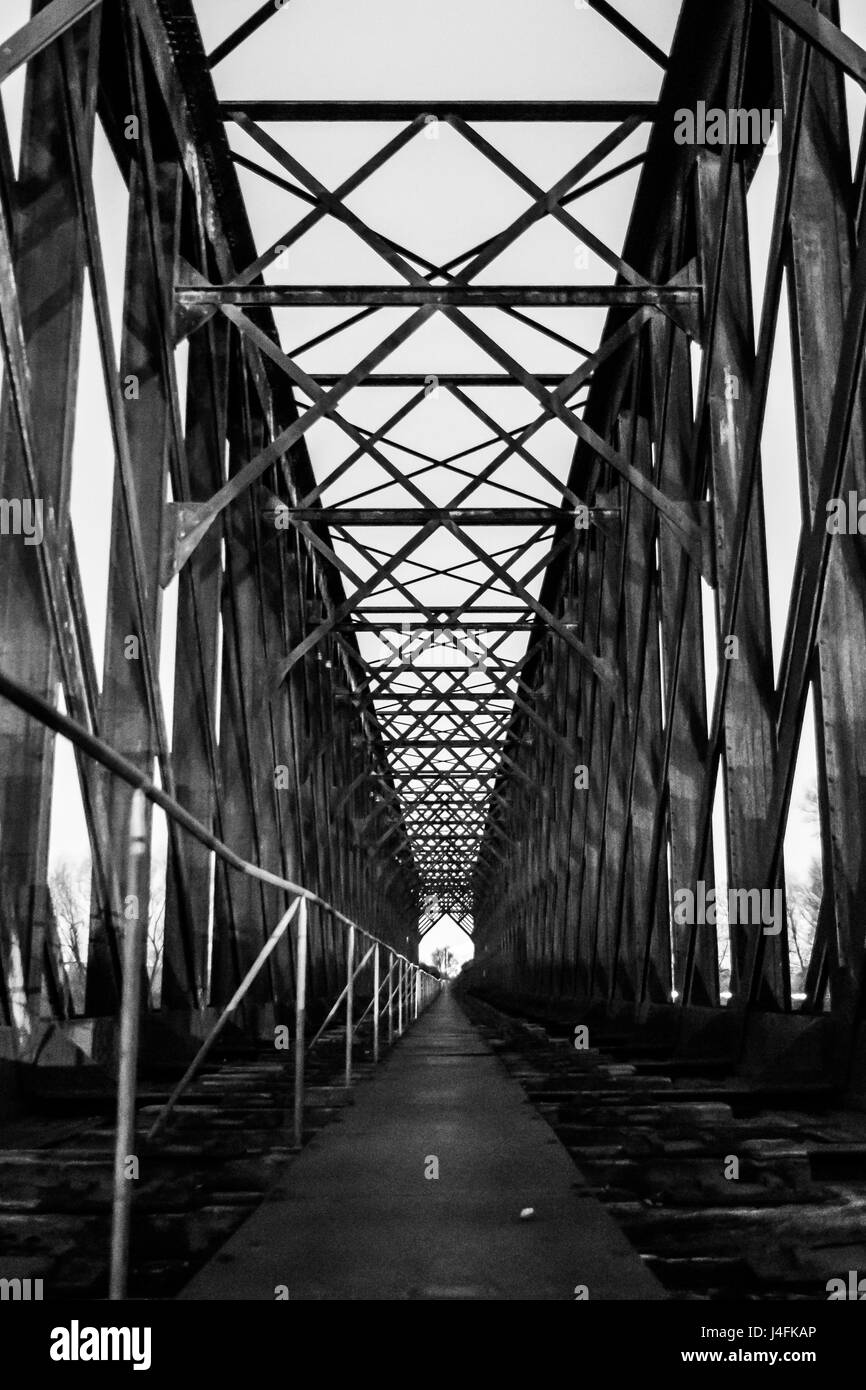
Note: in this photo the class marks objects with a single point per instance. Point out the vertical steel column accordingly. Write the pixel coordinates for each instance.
(240, 920)
(376, 987)
(593, 705)
(613, 733)
(300, 1020)
(564, 718)
(750, 742)
(577, 597)
(676, 475)
(267, 716)
(126, 715)
(576, 804)
(301, 816)
(49, 270)
(194, 741)
(644, 686)
(350, 1000)
(819, 285)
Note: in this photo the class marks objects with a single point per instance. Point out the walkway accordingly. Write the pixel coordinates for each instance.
(356, 1218)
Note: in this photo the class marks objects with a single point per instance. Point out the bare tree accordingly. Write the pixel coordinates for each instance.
(444, 960)
(156, 939)
(804, 905)
(723, 940)
(804, 898)
(69, 886)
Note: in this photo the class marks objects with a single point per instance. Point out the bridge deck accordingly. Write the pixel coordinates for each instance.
(356, 1218)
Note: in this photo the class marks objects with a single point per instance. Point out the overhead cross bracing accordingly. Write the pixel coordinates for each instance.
(277, 548)
(443, 666)
(487, 719)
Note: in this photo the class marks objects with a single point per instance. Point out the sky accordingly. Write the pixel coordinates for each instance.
(439, 196)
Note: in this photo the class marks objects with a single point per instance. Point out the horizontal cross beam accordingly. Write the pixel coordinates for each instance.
(401, 611)
(450, 696)
(506, 667)
(465, 625)
(406, 774)
(445, 296)
(442, 743)
(419, 516)
(449, 839)
(595, 111)
(417, 380)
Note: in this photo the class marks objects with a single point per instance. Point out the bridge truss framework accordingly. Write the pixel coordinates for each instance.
(401, 788)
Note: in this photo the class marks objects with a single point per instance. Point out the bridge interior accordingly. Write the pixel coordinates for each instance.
(424, 505)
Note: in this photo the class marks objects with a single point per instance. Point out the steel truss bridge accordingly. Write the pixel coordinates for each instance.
(406, 683)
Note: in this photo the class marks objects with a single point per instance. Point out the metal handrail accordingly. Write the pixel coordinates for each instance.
(340, 997)
(103, 753)
(422, 985)
(195, 1065)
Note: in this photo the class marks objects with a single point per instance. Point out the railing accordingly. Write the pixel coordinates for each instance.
(406, 985)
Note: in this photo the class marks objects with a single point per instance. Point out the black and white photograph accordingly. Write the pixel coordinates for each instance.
(432, 681)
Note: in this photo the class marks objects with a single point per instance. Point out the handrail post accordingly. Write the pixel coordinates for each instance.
(417, 992)
(334, 1010)
(399, 996)
(193, 1068)
(300, 1021)
(376, 1003)
(390, 997)
(350, 1000)
(133, 961)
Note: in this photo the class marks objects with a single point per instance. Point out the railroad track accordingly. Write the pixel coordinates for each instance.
(655, 1137)
(229, 1138)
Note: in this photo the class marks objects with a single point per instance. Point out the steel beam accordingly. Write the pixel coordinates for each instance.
(494, 111)
(819, 261)
(446, 296)
(44, 29)
(49, 271)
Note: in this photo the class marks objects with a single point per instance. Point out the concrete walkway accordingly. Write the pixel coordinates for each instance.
(356, 1218)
